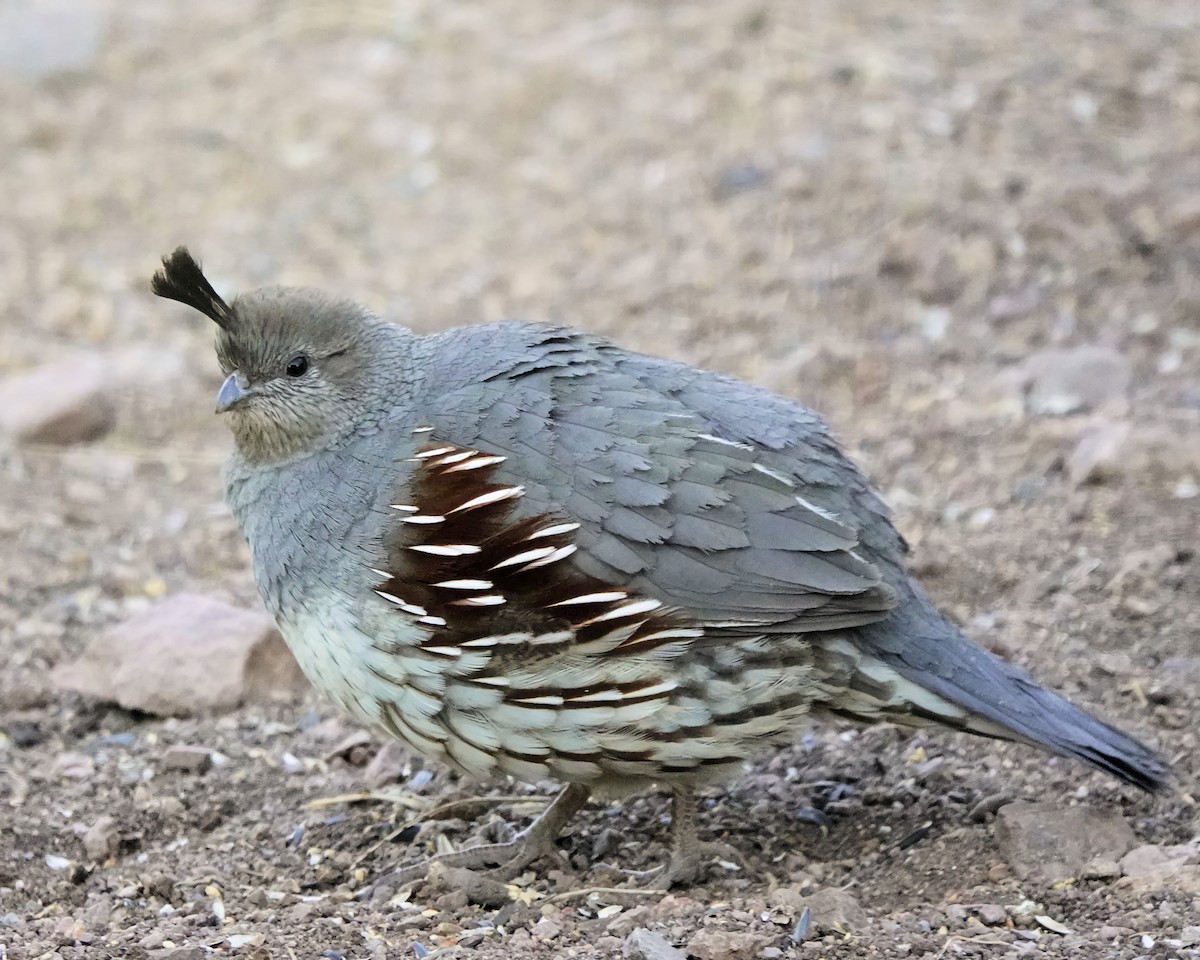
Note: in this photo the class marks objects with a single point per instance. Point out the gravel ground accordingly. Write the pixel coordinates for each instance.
(892, 211)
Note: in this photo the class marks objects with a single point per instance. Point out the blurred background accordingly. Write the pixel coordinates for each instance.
(966, 232)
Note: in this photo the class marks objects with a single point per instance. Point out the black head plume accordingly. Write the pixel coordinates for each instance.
(180, 278)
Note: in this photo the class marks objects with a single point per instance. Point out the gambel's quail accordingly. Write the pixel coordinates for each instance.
(522, 550)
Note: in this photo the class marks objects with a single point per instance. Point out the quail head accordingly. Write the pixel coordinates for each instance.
(524, 551)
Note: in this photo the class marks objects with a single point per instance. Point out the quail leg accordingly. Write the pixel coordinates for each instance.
(503, 861)
(690, 856)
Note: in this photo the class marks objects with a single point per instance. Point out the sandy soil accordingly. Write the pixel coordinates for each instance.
(882, 209)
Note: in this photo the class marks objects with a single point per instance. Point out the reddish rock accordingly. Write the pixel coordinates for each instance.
(65, 401)
(186, 655)
(1047, 842)
(389, 765)
(713, 944)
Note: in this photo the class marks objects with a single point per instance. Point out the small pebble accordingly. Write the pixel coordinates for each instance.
(803, 926)
(993, 914)
(197, 760)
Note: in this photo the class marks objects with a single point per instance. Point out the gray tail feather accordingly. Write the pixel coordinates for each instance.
(925, 649)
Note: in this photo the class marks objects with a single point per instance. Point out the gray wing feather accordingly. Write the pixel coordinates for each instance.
(725, 501)
(722, 500)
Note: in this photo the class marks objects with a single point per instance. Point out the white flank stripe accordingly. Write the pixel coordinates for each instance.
(422, 518)
(489, 600)
(435, 452)
(476, 464)
(422, 429)
(600, 696)
(547, 701)
(653, 690)
(383, 573)
(774, 474)
(550, 639)
(406, 507)
(721, 440)
(443, 651)
(445, 549)
(610, 597)
(491, 681)
(508, 639)
(404, 605)
(627, 610)
(432, 621)
(492, 496)
(465, 584)
(553, 531)
(683, 633)
(559, 554)
(819, 511)
(455, 458)
(525, 557)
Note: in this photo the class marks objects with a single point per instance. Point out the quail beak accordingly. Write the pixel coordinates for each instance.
(234, 390)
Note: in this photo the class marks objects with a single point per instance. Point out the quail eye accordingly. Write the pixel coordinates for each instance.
(297, 366)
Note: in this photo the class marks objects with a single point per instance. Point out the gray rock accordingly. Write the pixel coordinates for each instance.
(547, 928)
(1115, 448)
(187, 655)
(643, 944)
(1180, 879)
(477, 887)
(624, 923)
(65, 401)
(1046, 842)
(711, 943)
(1058, 382)
(739, 178)
(1149, 859)
(180, 953)
(1019, 303)
(1101, 868)
(836, 911)
(145, 365)
(197, 760)
(51, 36)
(1180, 674)
(102, 839)
(993, 914)
(389, 765)
(1099, 452)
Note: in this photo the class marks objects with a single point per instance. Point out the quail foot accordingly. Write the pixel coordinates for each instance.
(524, 551)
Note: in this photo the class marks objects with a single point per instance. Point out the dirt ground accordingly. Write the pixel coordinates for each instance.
(883, 209)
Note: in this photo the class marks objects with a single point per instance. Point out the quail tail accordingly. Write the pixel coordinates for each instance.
(1000, 700)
